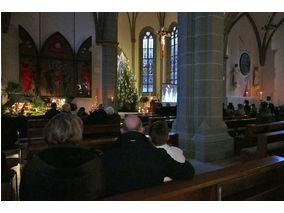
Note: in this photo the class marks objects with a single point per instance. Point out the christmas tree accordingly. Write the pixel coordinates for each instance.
(127, 95)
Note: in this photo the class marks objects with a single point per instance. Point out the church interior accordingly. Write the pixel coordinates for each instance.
(216, 79)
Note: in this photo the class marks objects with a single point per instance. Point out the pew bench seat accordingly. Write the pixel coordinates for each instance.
(250, 153)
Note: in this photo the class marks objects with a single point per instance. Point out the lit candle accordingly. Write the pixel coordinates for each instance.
(247, 94)
(260, 96)
(112, 99)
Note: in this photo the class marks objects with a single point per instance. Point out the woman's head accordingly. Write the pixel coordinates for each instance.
(63, 128)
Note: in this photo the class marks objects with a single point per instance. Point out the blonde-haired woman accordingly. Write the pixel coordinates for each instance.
(64, 171)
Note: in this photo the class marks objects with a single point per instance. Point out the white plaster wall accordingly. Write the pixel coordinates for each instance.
(271, 75)
(144, 19)
(241, 39)
(65, 23)
(123, 37)
(277, 46)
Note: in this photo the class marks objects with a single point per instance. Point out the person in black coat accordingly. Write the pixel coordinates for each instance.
(64, 171)
(134, 163)
(99, 116)
(51, 112)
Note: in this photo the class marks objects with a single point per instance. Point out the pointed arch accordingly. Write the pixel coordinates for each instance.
(147, 61)
(84, 69)
(57, 77)
(171, 57)
(28, 62)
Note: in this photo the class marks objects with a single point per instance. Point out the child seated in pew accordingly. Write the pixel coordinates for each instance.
(159, 136)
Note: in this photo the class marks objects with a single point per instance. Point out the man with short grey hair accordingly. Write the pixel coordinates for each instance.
(134, 163)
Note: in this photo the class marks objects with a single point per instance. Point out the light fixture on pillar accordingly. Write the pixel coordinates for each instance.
(163, 33)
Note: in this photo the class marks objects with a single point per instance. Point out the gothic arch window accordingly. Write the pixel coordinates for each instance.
(147, 61)
(173, 46)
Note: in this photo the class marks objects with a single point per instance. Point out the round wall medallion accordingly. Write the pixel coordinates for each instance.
(245, 64)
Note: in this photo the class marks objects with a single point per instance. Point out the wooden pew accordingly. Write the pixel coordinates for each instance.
(99, 143)
(252, 130)
(261, 179)
(35, 127)
(267, 143)
(96, 129)
(226, 118)
(98, 136)
(237, 126)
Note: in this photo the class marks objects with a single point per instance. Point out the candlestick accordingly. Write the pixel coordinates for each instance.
(260, 96)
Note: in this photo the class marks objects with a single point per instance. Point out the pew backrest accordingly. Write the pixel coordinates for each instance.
(35, 127)
(253, 129)
(271, 137)
(90, 129)
(247, 181)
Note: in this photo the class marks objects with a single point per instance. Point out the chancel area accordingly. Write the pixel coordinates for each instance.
(146, 106)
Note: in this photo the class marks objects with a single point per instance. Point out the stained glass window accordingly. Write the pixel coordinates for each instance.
(174, 53)
(148, 62)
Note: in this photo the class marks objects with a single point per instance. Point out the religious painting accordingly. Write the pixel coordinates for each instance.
(57, 77)
(84, 69)
(28, 62)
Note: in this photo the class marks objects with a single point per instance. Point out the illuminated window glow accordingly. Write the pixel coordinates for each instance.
(147, 63)
(174, 53)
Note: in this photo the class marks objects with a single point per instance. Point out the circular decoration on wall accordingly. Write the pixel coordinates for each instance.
(245, 64)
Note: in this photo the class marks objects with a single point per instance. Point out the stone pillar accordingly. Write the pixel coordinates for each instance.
(203, 134)
(109, 60)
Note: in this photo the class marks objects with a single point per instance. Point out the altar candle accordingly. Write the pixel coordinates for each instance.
(247, 94)
(260, 95)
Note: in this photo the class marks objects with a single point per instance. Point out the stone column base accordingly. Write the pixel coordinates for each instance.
(212, 147)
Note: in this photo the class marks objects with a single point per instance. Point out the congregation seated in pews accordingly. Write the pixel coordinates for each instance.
(61, 177)
(134, 166)
(237, 120)
(67, 171)
(267, 112)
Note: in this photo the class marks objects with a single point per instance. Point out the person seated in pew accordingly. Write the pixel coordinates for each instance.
(247, 107)
(82, 113)
(64, 171)
(159, 135)
(112, 117)
(253, 111)
(66, 108)
(134, 163)
(230, 109)
(99, 116)
(240, 111)
(51, 112)
(264, 115)
(73, 108)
